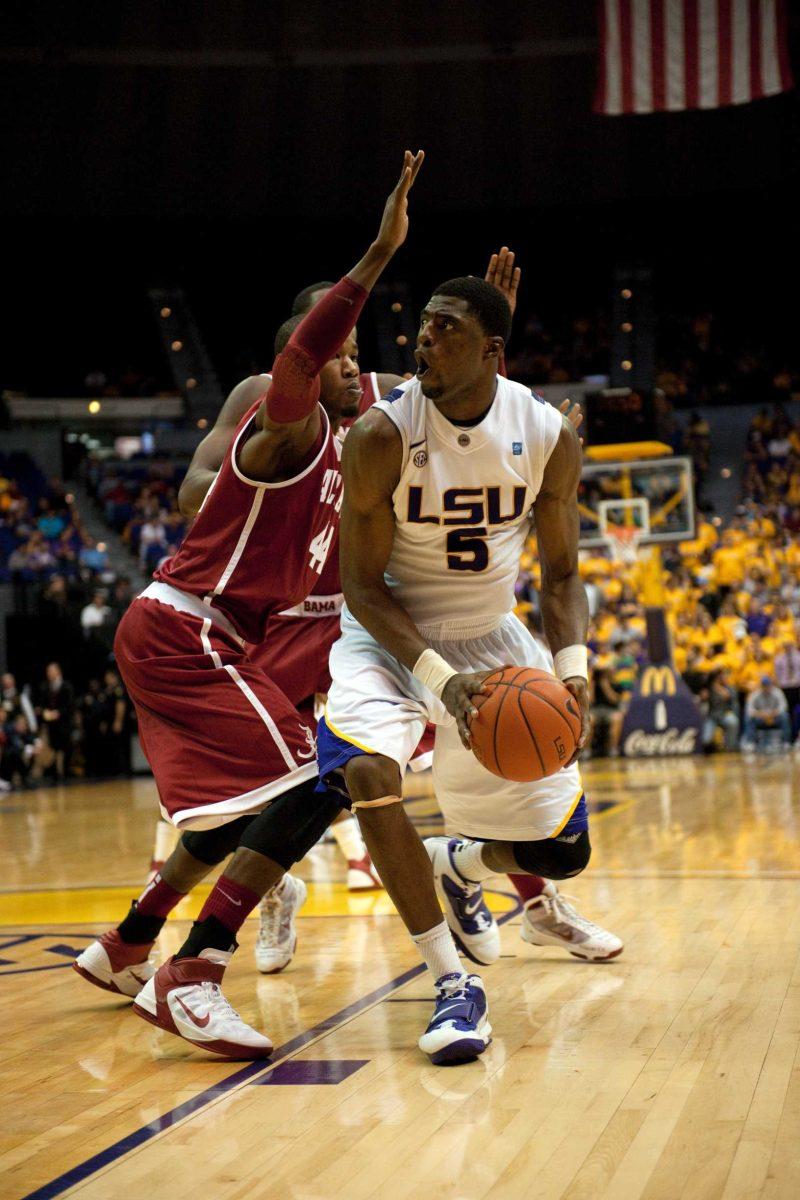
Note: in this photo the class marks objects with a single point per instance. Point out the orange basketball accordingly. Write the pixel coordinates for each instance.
(527, 726)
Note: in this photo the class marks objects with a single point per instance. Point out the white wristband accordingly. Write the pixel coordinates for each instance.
(432, 671)
(572, 662)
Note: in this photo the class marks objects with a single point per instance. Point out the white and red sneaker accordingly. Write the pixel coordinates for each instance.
(550, 920)
(184, 997)
(362, 876)
(116, 966)
(276, 940)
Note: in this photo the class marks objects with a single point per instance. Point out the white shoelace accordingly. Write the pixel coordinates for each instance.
(275, 920)
(569, 915)
(218, 1005)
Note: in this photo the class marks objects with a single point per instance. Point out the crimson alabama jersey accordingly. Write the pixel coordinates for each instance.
(298, 641)
(256, 549)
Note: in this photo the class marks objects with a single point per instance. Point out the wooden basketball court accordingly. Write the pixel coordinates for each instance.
(672, 1072)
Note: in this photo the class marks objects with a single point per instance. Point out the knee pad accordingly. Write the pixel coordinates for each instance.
(554, 858)
(212, 846)
(292, 824)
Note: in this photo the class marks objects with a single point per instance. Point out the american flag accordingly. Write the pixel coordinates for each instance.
(668, 55)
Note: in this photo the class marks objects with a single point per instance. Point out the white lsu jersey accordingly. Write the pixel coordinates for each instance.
(463, 506)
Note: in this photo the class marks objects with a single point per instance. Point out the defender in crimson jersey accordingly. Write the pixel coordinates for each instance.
(226, 746)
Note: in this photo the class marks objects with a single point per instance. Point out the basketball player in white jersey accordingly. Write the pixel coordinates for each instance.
(442, 480)
(548, 918)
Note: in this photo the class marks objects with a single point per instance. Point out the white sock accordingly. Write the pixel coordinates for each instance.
(468, 859)
(349, 839)
(439, 951)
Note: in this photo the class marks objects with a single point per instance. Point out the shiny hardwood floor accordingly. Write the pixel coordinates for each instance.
(672, 1073)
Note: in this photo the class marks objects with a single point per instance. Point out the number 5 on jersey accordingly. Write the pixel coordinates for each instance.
(319, 548)
(467, 549)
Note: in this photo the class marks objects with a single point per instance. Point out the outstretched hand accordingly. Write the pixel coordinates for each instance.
(504, 275)
(394, 223)
(572, 410)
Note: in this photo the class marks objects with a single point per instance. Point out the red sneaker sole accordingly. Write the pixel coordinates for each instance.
(107, 987)
(605, 957)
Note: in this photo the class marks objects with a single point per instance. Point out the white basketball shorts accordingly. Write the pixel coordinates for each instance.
(376, 706)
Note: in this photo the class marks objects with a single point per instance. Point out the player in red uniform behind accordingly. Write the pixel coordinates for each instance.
(226, 747)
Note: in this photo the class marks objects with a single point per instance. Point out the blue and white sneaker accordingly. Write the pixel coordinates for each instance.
(459, 1029)
(473, 927)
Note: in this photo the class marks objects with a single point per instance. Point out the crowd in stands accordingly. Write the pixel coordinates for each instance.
(41, 533)
(559, 350)
(702, 358)
(63, 586)
(732, 599)
(139, 501)
(51, 732)
(731, 595)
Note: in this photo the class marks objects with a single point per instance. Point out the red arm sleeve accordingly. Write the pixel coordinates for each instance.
(295, 383)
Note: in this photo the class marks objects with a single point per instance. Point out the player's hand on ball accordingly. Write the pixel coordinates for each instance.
(502, 273)
(394, 223)
(457, 699)
(580, 690)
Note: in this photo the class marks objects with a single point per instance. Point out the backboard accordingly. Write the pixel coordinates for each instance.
(665, 484)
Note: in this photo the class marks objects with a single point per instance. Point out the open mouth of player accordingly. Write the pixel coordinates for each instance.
(422, 365)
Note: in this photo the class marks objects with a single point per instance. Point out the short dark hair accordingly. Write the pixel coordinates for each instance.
(302, 301)
(486, 303)
(286, 330)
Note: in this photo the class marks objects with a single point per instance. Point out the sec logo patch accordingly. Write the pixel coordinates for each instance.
(420, 458)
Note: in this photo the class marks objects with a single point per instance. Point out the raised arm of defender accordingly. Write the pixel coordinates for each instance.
(288, 423)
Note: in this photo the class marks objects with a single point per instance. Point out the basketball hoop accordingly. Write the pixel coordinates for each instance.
(624, 523)
(623, 542)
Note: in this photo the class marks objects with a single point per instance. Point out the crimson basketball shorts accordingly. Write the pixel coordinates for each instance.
(221, 737)
(295, 655)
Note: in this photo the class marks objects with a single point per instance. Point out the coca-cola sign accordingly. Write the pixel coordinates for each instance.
(663, 718)
(640, 744)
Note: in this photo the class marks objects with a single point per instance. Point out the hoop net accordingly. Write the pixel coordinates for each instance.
(623, 542)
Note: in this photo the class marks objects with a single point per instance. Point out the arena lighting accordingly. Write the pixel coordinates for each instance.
(626, 364)
(176, 345)
(94, 406)
(626, 327)
(202, 423)
(725, 472)
(397, 306)
(401, 339)
(166, 312)
(626, 293)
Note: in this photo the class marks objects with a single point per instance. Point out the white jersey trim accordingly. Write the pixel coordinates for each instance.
(260, 484)
(187, 602)
(316, 606)
(245, 688)
(233, 561)
(211, 816)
